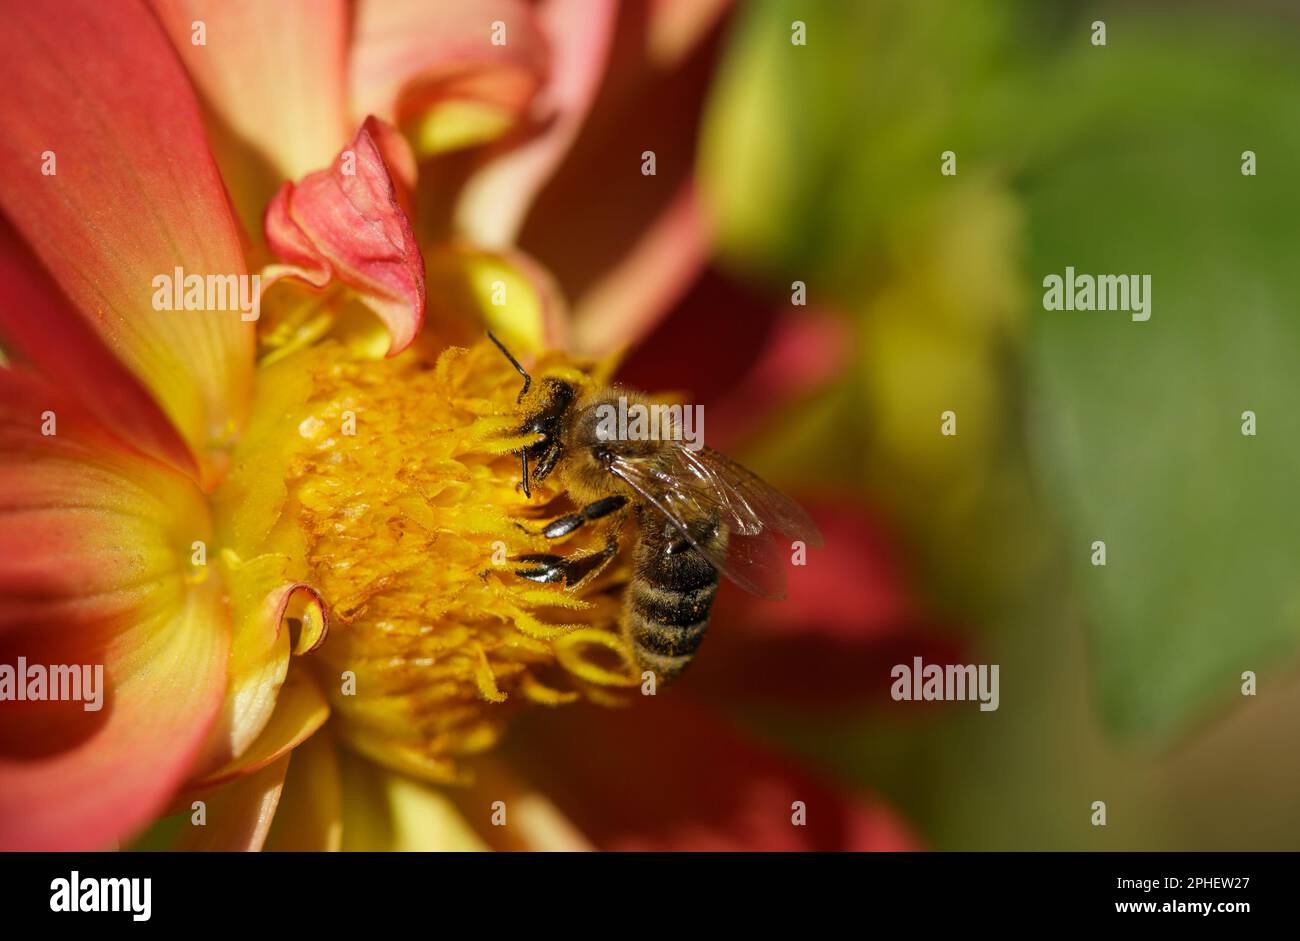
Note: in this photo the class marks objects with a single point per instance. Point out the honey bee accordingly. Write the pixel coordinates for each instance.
(698, 514)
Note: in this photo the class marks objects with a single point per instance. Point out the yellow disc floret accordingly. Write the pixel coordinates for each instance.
(391, 486)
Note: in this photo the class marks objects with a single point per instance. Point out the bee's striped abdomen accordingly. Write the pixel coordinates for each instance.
(668, 603)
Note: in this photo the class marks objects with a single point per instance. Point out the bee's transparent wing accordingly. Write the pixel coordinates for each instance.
(749, 497)
(687, 486)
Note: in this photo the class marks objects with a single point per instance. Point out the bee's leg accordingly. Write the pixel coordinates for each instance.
(592, 511)
(542, 567)
(546, 567)
(548, 462)
(523, 472)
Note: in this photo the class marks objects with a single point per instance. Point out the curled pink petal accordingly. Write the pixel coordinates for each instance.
(346, 223)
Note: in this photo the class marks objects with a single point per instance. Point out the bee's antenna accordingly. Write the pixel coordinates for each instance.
(528, 380)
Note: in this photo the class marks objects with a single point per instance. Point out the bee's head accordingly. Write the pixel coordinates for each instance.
(564, 412)
(546, 410)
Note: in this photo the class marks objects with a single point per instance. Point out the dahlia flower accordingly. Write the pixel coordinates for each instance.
(279, 522)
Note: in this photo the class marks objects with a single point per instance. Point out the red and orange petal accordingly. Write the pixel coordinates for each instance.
(273, 76)
(675, 26)
(240, 800)
(492, 206)
(606, 234)
(38, 325)
(97, 552)
(687, 781)
(449, 74)
(310, 818)
(105, 171)
(236, 816)
(346, 224)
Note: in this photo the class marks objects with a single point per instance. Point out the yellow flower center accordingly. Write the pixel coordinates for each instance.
(391, 488)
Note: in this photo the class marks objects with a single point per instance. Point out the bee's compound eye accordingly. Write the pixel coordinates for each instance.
(602, 454)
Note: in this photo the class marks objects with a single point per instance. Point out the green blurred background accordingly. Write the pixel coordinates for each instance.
(1123, 683)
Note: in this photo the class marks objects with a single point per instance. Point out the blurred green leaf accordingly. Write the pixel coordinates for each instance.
(1137, 426)
(812, 154)
(822, 164)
